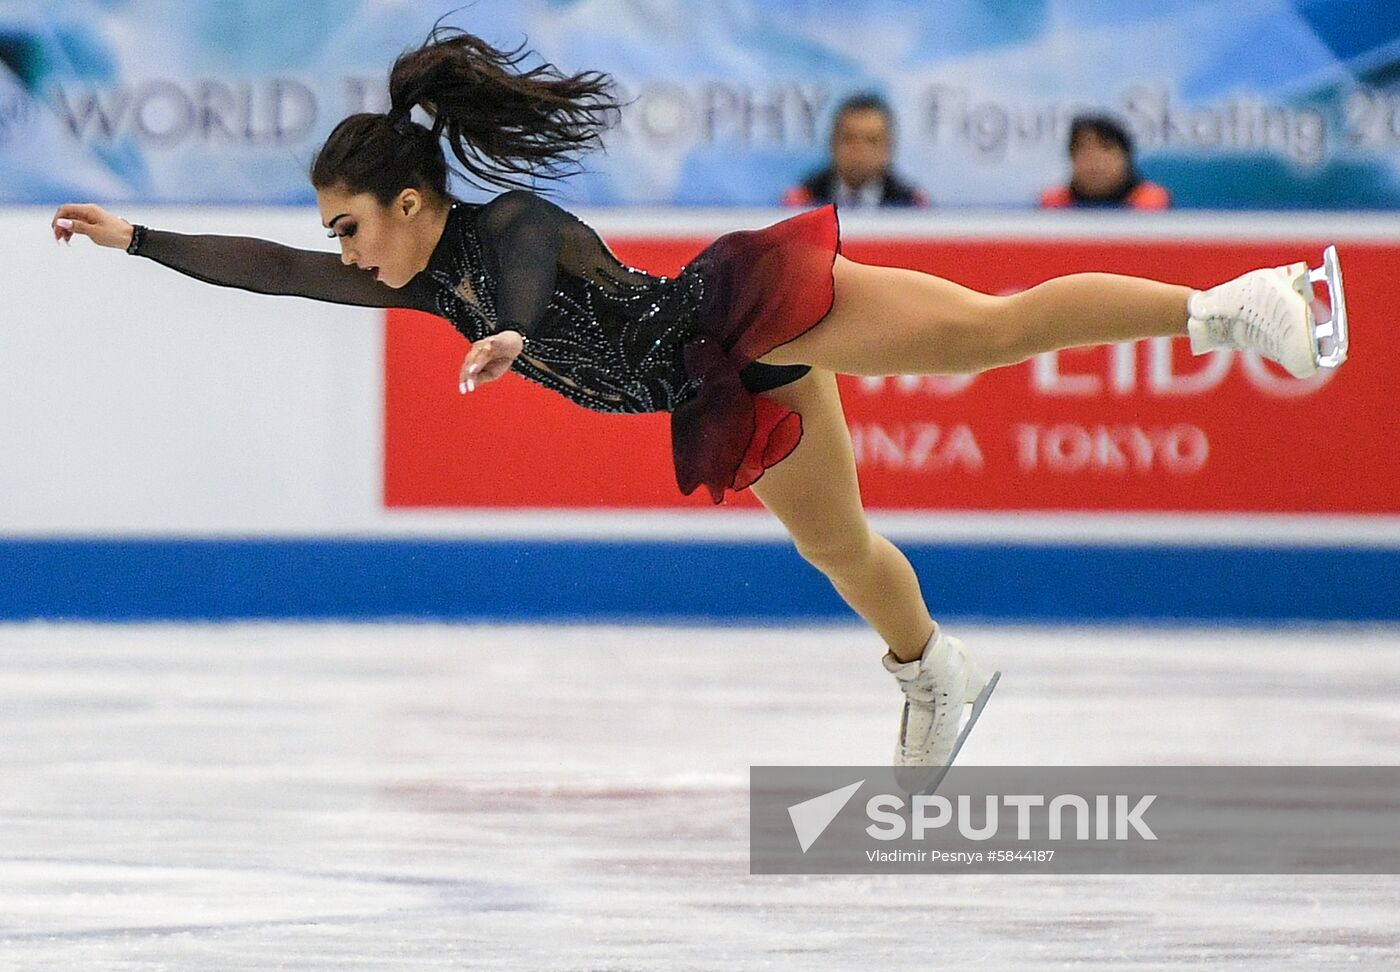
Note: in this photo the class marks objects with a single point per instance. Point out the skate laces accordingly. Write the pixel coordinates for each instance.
(1253, 316)
(920, 737)
(928, 709)
(1260, 320)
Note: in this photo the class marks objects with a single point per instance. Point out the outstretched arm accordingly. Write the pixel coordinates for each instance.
(250, 264)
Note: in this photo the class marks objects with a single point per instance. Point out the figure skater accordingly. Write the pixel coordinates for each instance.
(741, 347)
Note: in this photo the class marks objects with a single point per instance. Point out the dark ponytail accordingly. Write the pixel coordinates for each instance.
(506, 127)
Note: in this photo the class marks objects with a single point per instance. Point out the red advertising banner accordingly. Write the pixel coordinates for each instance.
(1140, 427)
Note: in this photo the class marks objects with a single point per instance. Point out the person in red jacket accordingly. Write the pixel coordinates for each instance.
(859, 173)
(1102, 171)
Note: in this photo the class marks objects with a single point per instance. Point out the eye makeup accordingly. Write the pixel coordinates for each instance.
(330, 227)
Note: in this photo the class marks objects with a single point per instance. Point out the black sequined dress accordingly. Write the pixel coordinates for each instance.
(607, 336)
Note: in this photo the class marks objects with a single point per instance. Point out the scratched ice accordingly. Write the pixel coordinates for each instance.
(434, 797)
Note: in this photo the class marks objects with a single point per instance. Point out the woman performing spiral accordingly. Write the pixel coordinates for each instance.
(742, 347)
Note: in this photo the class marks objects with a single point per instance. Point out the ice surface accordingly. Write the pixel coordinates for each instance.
(445, 797)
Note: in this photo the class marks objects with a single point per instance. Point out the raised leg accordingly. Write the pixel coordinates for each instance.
(890, 320)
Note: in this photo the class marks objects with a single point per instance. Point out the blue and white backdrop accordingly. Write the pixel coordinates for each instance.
(1236, 103)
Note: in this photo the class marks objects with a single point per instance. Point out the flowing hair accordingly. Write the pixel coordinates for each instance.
(507, 126)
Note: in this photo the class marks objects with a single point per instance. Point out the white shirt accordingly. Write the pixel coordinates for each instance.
(870, 194)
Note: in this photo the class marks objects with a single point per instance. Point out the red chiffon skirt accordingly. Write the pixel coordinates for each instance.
(762, 288)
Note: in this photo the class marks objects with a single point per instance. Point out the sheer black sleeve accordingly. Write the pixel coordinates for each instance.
(521, 236)
(264, 267)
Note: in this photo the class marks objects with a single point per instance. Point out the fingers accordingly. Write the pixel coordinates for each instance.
(64, 229)
(471, 366)
(75, 218)
(479, 366)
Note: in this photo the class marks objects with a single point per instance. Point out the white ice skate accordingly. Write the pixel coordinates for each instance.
(1270, 311)
(944, 692)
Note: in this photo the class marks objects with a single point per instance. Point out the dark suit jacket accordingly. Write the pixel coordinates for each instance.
(819, 188)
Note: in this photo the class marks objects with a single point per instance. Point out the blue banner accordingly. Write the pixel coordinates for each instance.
(1275, 104)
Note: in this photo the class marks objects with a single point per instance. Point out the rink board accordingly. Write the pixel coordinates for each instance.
(640, 582)
(1130, 427)
(175, 450)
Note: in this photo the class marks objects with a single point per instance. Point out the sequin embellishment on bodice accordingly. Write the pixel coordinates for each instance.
(610, 336)
(606, 336)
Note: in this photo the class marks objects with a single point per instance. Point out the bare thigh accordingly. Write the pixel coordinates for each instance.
(814, 491)
(892, 320)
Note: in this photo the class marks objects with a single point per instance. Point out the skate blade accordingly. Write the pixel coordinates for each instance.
(1330, 337)
(931, 782)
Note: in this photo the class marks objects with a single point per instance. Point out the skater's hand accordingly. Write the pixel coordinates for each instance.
(91, 221)
(490, 358)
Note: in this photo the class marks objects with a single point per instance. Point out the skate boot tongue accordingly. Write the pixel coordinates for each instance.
(1207, 333)
(934, 655)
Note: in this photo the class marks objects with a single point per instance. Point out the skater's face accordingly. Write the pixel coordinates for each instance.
(391, 243)
(1098, 166)
(860, 146)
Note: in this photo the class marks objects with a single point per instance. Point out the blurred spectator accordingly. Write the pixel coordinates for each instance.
(862, 142)
(1102, 170)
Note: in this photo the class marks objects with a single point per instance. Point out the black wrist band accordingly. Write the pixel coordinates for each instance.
(138, 234)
